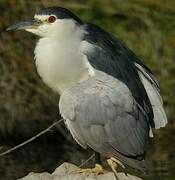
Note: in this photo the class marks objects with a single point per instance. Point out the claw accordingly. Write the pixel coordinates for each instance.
(113, 166)
(98, 169)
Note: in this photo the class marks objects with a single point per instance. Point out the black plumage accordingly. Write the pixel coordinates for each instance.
(60, 13)
(114, 58)
(116, 100)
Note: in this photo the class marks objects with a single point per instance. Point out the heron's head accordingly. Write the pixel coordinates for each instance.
(52, 21)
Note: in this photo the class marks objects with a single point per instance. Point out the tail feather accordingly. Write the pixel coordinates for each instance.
(160, 118)
(131, 162)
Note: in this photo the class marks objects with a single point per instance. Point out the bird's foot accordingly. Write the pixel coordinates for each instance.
(98, 169)
(113, 165)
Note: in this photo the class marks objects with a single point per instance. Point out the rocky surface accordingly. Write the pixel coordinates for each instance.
(67, 171)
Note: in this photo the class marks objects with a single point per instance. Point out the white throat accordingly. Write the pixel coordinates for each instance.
(60, 62)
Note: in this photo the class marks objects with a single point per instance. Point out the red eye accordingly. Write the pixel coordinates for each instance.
(51, 19)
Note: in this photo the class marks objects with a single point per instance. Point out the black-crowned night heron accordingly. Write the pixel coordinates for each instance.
(109, 99)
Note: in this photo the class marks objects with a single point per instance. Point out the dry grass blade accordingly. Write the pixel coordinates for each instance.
(31, 139)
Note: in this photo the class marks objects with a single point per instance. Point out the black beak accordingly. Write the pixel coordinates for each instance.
(29, 24)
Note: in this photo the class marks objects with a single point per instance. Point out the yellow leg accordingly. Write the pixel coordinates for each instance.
(113, 166)
(98, 169)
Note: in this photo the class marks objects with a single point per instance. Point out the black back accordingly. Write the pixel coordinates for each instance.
(114, 58)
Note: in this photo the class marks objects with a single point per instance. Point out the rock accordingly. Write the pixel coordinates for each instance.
(67, 172)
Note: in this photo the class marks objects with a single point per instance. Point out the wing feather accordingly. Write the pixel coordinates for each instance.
(107, 118)
(153, 91)
(110, 55)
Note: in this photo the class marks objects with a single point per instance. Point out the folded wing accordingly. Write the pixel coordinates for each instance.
(101, 113)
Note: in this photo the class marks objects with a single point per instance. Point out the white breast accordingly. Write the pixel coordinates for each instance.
(61, 64)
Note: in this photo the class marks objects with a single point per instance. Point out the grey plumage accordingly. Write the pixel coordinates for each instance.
(102, 113)
(153, 91)
(109, 99)
(116, 59)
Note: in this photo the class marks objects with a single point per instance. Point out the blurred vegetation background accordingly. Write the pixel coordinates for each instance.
(28, 106)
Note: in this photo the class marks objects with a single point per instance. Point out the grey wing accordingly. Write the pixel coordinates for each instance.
(152, 88)
(102, 114)
(108, 54)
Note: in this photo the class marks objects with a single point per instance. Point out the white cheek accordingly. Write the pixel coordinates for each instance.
(44, 28)
(40, 31)
(62, 28)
